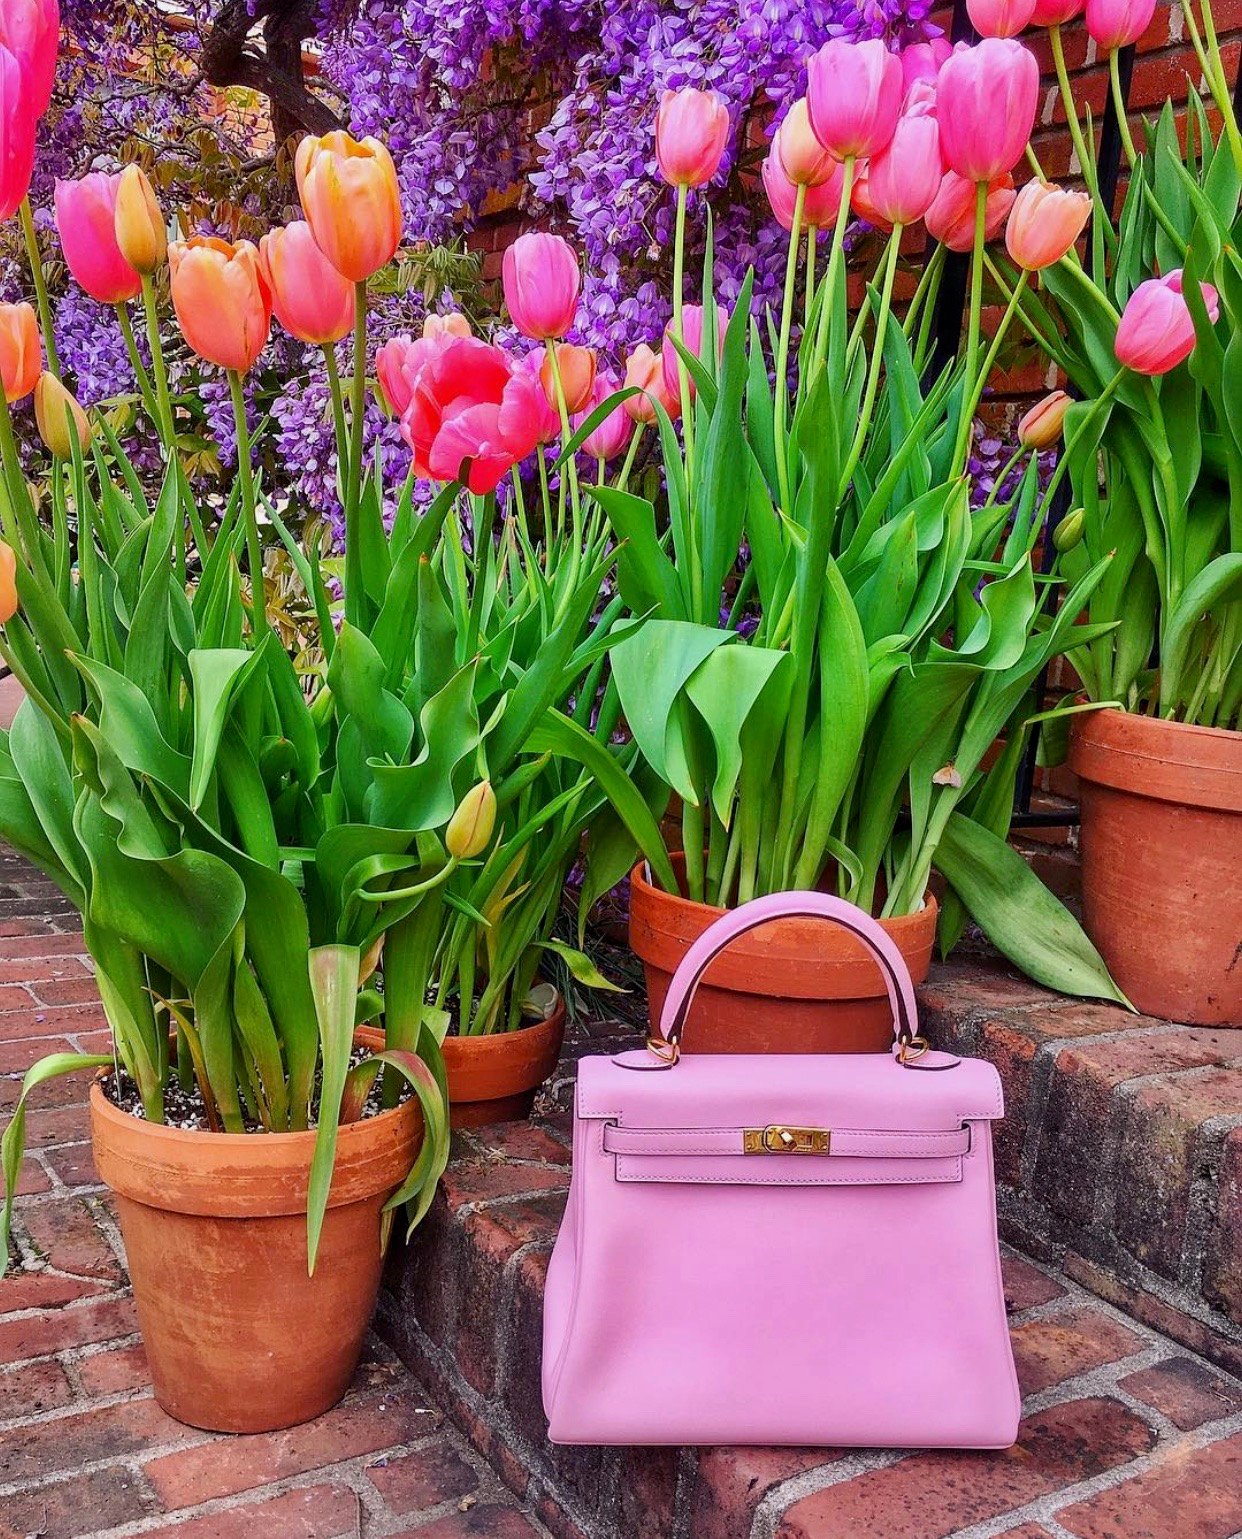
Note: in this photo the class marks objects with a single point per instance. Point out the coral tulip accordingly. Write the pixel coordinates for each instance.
(1055, 13)
(644, 371)
(541, 281)
(30, 30)
(986, 98)
(612, 436)
(86, 220)
(821, 206)
(351, 200)
(19, 123)
(576, 366)
(860, 200)
(693, 341)
(1157, 331)
(223, 303)
(803, 159)
(854, 93)
(472, 411)
(691, 131)
(951, 218)
(21, 351)
(1118, 23)
(1044, 223)
(1000, 18)
(1042, 426)
(8, 583)
(62, 423)
(924, 61)
(312, 300)
(138, 222)
(904, 178)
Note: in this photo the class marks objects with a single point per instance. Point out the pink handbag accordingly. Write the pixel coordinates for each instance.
(781, 1249)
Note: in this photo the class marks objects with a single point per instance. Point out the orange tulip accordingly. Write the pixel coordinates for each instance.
(311, 299)
(8, 583)
(1044, 223)
(21, 351)
(138, 222)
(1041, 427)
(452, 325)
(644, 371)
(576, 366)
(61, 421)
(350, 197)
(223, 303)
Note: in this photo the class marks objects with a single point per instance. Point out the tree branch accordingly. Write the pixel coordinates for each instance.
(231, 57)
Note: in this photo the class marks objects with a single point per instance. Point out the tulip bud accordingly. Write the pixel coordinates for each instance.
(61, 421)
(1041, 427)
(1069, 531)
(21, 351)
(470, 828)
(141, 235)
(803, 158)
(8, 583)
(576, 366)
(1044, 223)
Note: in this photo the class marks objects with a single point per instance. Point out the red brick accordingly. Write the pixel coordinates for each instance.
(66, 1235)
(1062, 1346)
(114, 1372)
(16, 1057)
(647, 1490)
(1222, 1261)
(32, 1179)
(1026, 1285)
(73, 1164)
(1185, 1391)
(524, 1141)
(731, 1482)
(934, 1494)
(42, 969)
(37, 1387)
(311, 1512)
(34, 1022)
(106, 1498)
(66, 991)
(1027, 1531)
(14, 997)
(1191, 1493)
(1013, 1056)
(71, 943)
(487, 1522)
(74, 1326)
(88, 1437)
(360, 1425)
(479, 1182)
(57, 1125)
(416, 1481)
(43, 1290)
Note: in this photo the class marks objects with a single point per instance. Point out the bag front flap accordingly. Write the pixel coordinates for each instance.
(864, 1091)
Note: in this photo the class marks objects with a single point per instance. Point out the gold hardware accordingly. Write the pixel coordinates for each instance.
(668, 1052)
(775, 1139)
(913, 1048)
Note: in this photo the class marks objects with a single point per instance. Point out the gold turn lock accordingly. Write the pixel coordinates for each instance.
(777, 1139)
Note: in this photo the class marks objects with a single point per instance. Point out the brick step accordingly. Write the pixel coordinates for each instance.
(1119, 1164)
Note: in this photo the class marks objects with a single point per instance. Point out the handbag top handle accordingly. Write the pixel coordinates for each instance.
(788, 905)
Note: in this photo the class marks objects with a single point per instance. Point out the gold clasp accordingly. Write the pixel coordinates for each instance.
(911, 1049)
(777, 1139)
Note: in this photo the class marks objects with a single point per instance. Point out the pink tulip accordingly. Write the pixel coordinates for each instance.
(803, 159)
(1157, 331)
(472, 415)
(311, 299)
(693, 342)
(1000, 18)
(541, 281)
(1044, 223)
(951, 218)
(401, 359)
(1118, 23)
(86, 220)
(30, 30)
(691, 131)
(820, 205)
(904, 178)
(19, 122)
(548, 428)
(1055, 13)
(612, 436)
(923, 61)
(854, 93)
(644, 370)
(985, 101)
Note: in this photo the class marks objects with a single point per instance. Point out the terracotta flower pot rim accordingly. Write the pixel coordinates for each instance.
(1149, 756)
(490, 1057)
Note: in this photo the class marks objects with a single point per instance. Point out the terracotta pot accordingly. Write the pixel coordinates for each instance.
(494, 1078)
(238, 1337)
(793, 986)
(1161, 856)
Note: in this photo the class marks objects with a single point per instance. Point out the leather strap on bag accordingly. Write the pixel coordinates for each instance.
(666, 1043)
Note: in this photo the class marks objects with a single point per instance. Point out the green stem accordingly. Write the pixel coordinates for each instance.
(962, 447)
(812, 239)
(1086, 159)
(990, 357)
(141, 376)
(245, 470)
(782, 352)
(835, 258)
(683, 374)
(164, 422)
(40, 287)
(627, 465)
(339, 427)
(877, 360)
(353, 472)
(1119, 104)
(1214, 72)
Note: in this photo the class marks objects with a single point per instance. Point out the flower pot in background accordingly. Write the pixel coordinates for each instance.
(494, 1078)
(793, 986)
(1161, 857)
(238, 1337)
